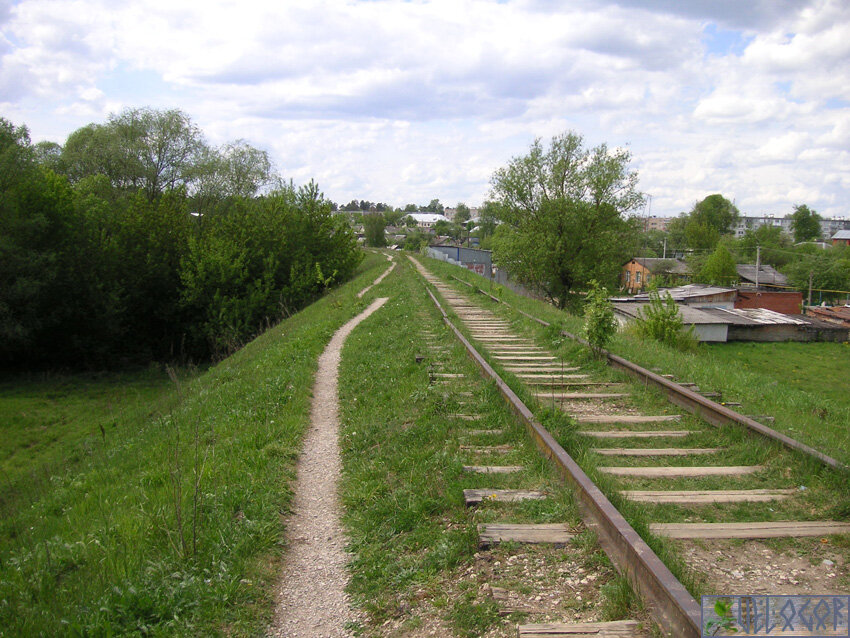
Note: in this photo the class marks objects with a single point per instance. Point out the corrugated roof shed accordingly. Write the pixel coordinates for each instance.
(767, 274)
(754, 316)
(689, 314)
(689, 291)
(842, 234)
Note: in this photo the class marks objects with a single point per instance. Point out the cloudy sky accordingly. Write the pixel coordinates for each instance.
(406, 101)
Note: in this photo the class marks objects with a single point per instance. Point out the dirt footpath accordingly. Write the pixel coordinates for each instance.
(312, 600)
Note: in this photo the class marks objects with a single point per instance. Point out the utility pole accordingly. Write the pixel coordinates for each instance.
(758, 264)
(665, 249)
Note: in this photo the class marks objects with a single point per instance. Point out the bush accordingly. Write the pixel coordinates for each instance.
(661, 321)
(599, 321)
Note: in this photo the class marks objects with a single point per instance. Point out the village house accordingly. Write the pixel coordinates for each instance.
(640, 271)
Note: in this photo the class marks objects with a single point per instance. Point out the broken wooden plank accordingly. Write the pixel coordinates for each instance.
(476, 496)
(614, 629)
(655, 451)
(682, 472)
(636, 434)
(774, 529)
(490, 534)
(485, 432)
(703, 497)
(493, 469)
(466, 417)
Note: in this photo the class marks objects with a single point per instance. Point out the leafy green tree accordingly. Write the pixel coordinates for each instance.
(462, 215)
(392, 217)
(805, 224)
(717, 212)
(719, 269)
(434, 206)
(600, 325)
(562, 210)
(373, 227)
(143, 149)
(702, 228)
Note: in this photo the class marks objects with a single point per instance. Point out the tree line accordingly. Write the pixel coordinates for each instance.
(138, 241)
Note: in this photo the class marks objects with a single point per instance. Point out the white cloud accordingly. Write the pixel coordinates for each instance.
(406, 101)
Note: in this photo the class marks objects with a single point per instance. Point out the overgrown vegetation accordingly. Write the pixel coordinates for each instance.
(136, 241)
(599, 321)
(661, 321)
(161, 515)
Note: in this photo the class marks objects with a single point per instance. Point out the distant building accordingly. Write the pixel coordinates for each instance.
(427, 220)
(655, 223)
(746, 223)
(640, 271)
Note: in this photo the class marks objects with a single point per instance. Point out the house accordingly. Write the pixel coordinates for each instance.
(841, 238)
(427, 220)
(640, 271)
(760, 324)
(763, 277)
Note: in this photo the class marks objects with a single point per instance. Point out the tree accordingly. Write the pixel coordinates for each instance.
(462, 215)
(562, 210)
(442, 227)
(434, 206)
(236, 169)
(373, 227)
(716, 212)
(702, 228)
(719, 269)
(805, 224)
(138, 149)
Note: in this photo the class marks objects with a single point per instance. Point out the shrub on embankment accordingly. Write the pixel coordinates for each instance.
(171, 524)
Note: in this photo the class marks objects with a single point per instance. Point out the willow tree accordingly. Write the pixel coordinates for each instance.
(564, 216)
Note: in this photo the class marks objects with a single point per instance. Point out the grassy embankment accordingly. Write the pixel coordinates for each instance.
(415, 542)
(824, 493)
(130, 505)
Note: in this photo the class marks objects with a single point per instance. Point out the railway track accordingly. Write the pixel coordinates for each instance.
(688, 478)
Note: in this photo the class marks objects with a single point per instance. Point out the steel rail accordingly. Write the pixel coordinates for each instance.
(675, 610)
(711, 411)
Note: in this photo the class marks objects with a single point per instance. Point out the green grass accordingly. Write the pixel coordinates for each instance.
(171, 522)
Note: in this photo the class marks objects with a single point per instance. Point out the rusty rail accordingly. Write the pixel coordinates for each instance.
(673, 607)
(703, 407)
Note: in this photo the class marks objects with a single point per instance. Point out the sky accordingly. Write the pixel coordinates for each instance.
(404, 102)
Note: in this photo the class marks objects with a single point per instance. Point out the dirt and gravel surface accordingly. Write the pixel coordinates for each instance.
(812, 566)
(312, 601)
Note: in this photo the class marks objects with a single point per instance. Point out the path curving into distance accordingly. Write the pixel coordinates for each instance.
(311, 597)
